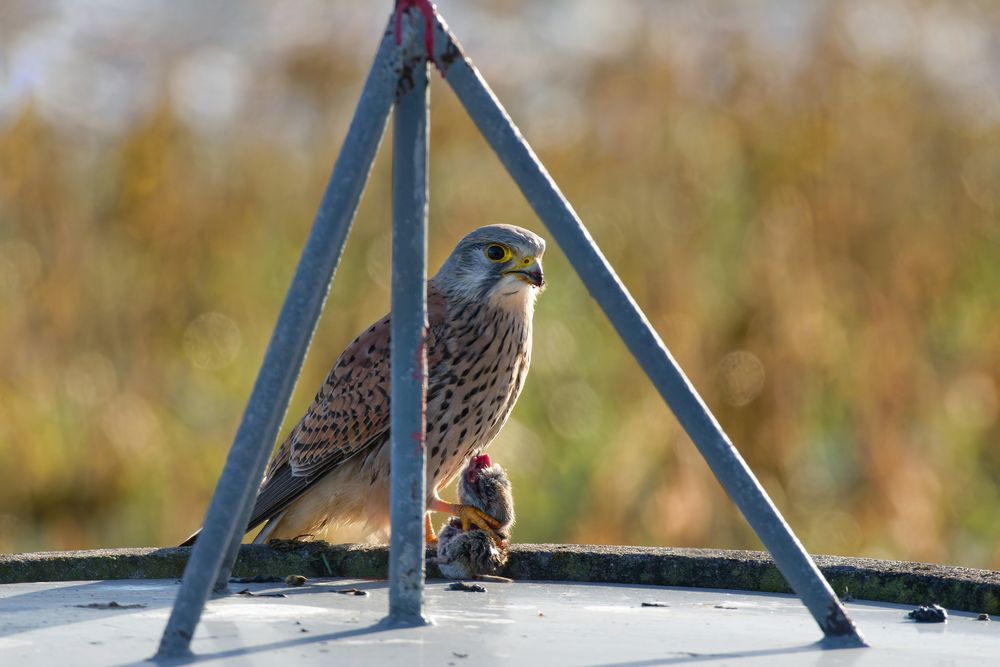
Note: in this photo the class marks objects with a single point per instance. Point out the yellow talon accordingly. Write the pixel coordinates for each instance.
(469, 516)
(472, 516)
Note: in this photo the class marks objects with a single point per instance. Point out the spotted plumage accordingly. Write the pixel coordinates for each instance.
(333, 468)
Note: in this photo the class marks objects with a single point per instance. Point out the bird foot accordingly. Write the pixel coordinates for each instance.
(473, 517)
(469, 517)
(430, 537)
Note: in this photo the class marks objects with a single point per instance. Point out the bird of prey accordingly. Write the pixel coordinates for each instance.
(333, 467)
(465, 552)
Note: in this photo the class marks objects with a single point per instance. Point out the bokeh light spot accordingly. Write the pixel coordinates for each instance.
(90, 379)
(130, 423)
(742, 375)
(212, 341)
(209, 88)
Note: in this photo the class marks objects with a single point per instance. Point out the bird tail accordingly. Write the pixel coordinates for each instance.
(265, 534)
(262, 537)
(189, 542)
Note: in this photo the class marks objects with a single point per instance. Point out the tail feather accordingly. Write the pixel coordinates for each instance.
(189, 542)
(261, 538)
(265, 534)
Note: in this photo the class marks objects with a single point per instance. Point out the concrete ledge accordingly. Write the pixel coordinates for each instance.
(958, 588)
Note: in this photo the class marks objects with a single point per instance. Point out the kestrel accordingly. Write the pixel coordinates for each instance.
(333, 468)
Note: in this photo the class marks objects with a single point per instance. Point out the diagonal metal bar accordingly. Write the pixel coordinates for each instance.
(409, 330)
(330, 229)
(228, 513)
(641, 339)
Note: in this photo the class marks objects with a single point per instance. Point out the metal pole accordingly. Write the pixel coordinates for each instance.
(641, 339)
(330, 227)
(232, 502)
(409, 331)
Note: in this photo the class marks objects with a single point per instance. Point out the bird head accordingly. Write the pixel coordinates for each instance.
(496, 262)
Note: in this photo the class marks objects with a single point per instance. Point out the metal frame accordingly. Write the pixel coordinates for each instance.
(234, 494)
(400, 72)
(408, 459)
(639, 336)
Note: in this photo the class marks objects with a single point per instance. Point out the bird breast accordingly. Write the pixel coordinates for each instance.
(473, 387)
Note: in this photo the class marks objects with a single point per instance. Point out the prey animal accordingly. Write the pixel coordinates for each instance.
(333, 467)
(468, 552)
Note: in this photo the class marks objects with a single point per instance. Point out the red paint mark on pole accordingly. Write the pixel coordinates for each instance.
(426, 9)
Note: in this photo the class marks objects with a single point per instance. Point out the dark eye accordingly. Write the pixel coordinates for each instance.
(497, 253)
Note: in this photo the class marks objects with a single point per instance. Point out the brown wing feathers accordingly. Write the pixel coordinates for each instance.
(349, 414)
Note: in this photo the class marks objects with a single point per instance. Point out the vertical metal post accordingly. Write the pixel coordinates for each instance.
(232, 501)
(641, 339)
(409, 329)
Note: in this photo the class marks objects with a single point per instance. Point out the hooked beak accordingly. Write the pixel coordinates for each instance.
(529, 270)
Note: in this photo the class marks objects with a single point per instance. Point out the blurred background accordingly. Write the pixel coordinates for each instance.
(803, 197)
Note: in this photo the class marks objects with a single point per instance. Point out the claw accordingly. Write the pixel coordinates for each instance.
(469, 517)
(475, 517)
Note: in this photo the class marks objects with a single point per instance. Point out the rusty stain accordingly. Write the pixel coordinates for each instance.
(427, 11)
(421, 356)
(420, 376)
(406, 83)
(452, 52)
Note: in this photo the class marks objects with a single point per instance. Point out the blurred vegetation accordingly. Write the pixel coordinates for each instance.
(821, 257)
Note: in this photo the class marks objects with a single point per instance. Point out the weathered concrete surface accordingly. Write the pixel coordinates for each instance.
(524, 623)
(888, 581)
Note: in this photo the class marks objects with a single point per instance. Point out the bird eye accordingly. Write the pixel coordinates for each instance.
(497, 253)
